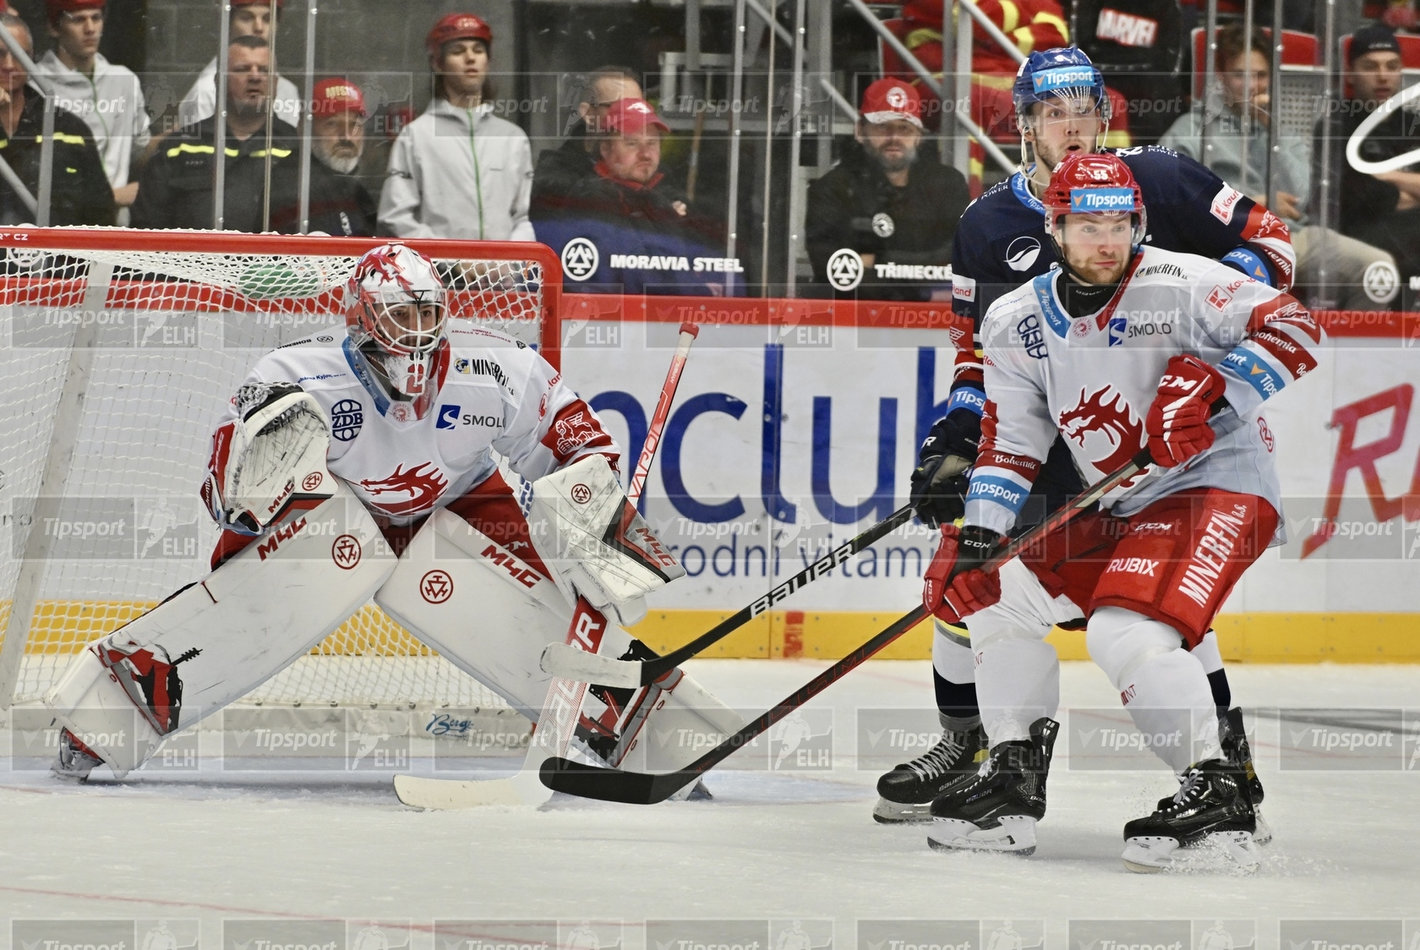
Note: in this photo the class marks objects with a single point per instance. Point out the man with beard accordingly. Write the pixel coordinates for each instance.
(177, 189)
(339, 203)
(880, 223)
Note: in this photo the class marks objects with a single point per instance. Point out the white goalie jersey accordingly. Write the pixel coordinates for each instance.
(1093, 379)
(494, 395)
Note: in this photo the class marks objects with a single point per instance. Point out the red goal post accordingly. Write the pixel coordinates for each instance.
(120, 348)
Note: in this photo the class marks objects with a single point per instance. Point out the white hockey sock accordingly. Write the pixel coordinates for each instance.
(1208, 654)
(1017, 682)
(952, 659)
(1162, 686)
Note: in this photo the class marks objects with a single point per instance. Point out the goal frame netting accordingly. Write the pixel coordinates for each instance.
(50, 274)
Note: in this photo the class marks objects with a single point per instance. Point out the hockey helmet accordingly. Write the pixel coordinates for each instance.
(1093, 183)
(396, 309)
(457, 26)
(1065, 73)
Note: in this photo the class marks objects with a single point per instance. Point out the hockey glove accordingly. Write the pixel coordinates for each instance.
(954, 585)
(1177, 423)
(943, 472)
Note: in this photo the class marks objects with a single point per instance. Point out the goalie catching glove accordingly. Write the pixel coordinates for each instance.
(269, 460)
(597, 540)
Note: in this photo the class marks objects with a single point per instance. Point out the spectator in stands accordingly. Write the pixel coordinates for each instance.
(1030, 25)
(79, 192)
(559, 169)
(459, 171)
(889, 202)
(1381, 209)
(105, 95)
(621, 228)
(339, 203)
(1228, 132)
(248, 18)
(177, 188)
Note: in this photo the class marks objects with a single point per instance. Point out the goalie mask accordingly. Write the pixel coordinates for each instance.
(396, 307)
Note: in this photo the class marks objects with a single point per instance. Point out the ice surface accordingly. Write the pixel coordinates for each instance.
(221, 850)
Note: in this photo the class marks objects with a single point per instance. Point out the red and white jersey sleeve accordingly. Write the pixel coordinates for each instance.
(496, 398)
(1092, 380)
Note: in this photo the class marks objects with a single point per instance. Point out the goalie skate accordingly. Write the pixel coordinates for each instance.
(906, 792)
(1207, 824)
(75, 760)
(997, 810)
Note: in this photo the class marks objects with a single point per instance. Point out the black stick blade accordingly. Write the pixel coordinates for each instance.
(612, 785)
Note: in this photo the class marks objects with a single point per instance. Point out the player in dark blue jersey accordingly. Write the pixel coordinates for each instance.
(1061, 108)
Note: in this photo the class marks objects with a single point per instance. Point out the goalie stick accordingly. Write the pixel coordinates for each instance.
(564, 660)
(561, 710)
(647, 788)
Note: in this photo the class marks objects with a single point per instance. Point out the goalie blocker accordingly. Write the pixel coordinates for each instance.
(489, 606)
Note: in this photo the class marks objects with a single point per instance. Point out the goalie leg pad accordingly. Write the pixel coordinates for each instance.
(228, 633)
(597, 541)
(490, 613)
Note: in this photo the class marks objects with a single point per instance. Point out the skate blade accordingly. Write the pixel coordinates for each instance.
(900, 813)
(1013, 834)
(1263, 833)
(1234, 851)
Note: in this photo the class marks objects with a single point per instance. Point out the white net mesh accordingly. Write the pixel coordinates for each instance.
(115, 366)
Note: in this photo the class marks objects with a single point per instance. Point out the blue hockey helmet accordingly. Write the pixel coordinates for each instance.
(1065, 73)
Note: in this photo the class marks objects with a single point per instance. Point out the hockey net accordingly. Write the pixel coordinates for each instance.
(120, 350)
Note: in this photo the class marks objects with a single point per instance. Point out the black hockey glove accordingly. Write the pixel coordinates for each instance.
(943, 471)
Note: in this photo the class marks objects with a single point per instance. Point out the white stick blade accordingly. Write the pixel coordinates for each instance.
(568, 662)
(447, 794)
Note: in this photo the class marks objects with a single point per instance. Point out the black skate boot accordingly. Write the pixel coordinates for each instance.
(907, 791)
(997, 809)
(75, 760)
(1233, 738)
(1212, 806)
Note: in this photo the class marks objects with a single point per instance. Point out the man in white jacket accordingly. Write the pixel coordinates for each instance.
(105, 95)
(459, 171)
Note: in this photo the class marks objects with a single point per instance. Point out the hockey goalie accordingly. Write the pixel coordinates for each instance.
(366, 467)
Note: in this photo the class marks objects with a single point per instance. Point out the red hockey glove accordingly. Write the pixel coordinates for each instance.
(954, 585)
(1178, 420)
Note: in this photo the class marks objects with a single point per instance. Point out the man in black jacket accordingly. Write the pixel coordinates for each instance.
(80, 192)
(339, 204)
(880, 223)
(560, 170)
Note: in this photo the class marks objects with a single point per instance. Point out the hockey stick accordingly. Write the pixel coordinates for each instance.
(562, 708)
(567, 661)
(647, 788)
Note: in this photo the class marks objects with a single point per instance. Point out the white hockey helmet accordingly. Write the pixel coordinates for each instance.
(396, 310)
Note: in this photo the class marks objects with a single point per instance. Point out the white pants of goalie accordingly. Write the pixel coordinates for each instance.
(468, 583)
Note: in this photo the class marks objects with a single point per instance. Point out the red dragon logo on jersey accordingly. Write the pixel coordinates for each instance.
(1103, 424)
(422, 488)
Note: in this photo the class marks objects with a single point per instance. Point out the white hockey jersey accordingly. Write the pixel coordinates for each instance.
(496, 396)
(1093, 379)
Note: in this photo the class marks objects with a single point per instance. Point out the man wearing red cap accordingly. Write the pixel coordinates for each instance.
(339, 202)
(105, 95)
(646, 240)
(459, 171)
(248, 18)
(879, 224)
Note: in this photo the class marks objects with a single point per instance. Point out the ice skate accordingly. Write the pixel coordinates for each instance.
(998, 808)
(1237, 751)
(1211, 814)
(75, 760)
(906, 793)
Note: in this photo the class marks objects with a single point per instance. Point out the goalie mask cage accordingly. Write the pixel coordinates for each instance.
(120, 351)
